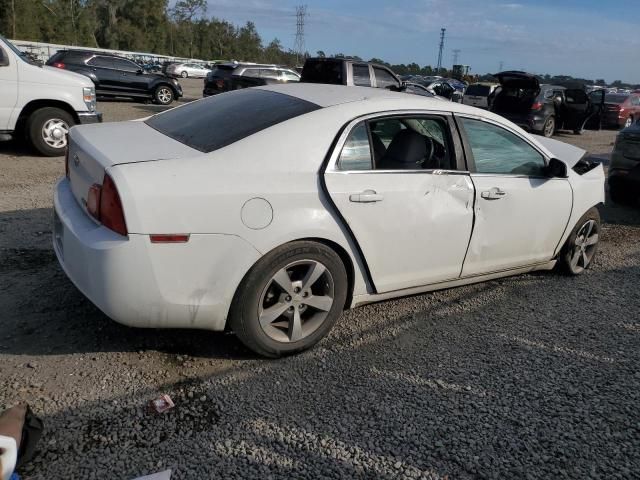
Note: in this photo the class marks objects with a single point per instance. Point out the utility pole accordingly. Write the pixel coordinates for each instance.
(439, 67)
(501, 66)
(299, 47)
(456, 55)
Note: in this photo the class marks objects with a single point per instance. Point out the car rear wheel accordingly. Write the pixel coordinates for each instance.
(163, 95)
(549, 127)
(184, 74)
(290, 299)
(47, 129)
(628, 122)
(581, 246)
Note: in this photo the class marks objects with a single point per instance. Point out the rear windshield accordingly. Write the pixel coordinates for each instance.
(222, 71)
(478, 90)
(322, 71)
(614, 98)
(220, 120)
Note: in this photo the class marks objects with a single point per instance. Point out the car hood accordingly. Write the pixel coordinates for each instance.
(515, 79)
(65, 78)
(562, 151)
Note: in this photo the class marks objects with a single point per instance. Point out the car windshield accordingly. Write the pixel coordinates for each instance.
(615, 98)
(221, 120)
(478, 90)
(22, 55)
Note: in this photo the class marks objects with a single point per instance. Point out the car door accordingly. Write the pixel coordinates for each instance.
(103, 69)
(580, 111)
(131, 80)
(8, 88)
(410, 210)
(520, 213)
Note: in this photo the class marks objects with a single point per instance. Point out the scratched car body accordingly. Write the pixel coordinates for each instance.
(271, 210)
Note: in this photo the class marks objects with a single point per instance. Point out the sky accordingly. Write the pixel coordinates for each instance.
(584, 38)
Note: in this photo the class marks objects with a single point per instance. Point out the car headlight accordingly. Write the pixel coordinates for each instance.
(89, 97)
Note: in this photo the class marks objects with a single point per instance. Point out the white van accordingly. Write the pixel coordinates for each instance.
(41, 103)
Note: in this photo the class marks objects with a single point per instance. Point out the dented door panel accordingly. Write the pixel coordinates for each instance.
(413, 227)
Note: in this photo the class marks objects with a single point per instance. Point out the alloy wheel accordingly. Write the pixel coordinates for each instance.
(54, 133)
(164, 95)
(296, 301)
(628, 122)
(584, 247)
(549, 127)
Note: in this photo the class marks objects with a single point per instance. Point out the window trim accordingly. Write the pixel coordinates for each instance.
(454, 139)
(469, 152)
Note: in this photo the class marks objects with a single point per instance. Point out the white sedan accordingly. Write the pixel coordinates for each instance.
(270, 210)
(186, 70)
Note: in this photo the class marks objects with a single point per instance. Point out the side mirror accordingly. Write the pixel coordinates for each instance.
(556, 169)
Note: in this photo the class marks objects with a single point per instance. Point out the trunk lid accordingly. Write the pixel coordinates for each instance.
(95, 148)
(516, 79)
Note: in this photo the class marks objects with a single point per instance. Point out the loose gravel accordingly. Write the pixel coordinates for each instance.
(535, 376)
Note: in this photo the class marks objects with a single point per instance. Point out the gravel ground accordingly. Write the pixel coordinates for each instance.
(534, 376)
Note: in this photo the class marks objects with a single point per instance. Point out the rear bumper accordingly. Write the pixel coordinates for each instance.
(613, 119)
(140, 284)
(85, 118)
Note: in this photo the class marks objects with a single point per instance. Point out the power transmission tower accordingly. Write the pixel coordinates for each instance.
(439, 67)
(501, 66)
(456, 55)
(299, 47)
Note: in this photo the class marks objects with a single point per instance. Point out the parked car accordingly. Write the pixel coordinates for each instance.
(417, 89)
(621, 109)
(186, 70)
(233, 76)
(115, 76)
(624, 170)
(40, 103)
(183, 224)
(353, 73)
(545, 108)
(481, 95)
(443, 88)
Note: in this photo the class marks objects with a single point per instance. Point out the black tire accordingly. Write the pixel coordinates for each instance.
(163, 95)
(253, 293)
(184, 74)
(549, 127)
(43, 142)
(572, 247)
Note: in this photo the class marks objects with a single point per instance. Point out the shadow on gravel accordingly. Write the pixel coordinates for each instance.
(16, 148)
(507, 379)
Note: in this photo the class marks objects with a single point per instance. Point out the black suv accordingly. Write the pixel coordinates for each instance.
(116, 76)
(543, 109)
(353, 73)
(232, 76)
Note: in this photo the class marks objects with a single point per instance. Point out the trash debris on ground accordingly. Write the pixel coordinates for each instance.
(162, 404)
(166, 475)
(20, 430)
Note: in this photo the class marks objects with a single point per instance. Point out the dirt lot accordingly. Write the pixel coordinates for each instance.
(534, 376)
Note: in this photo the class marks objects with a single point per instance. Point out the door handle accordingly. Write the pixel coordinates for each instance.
(493, 194)
(368, 196)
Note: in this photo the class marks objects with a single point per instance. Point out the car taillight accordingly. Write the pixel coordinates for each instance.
(536, 106)
(59, 65)
(103, 203)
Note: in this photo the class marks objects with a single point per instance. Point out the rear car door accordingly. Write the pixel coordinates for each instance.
(520, 213)
(8, 87)
(398, 184)
(580, 111)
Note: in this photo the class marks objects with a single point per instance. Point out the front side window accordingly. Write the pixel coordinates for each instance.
(252, 72)
(361, 77)
(269, 73)
(496, 150)
(384, 79)
(290, 76)
(121, 64)
(102, 62)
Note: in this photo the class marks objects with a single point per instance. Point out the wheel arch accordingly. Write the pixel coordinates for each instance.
(163, 83)
(35, 105)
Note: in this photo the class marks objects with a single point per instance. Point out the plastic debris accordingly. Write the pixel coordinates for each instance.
(161, 404)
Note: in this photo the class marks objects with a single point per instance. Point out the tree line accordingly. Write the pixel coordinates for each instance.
(185, 30)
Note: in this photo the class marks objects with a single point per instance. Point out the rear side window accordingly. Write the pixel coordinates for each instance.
(322, 71)
(356, 153)
(220, 120)
(104, 62)
(222, 72)
(384, 79)
(361, 77)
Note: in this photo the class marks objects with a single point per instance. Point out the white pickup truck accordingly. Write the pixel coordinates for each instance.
(40, 103)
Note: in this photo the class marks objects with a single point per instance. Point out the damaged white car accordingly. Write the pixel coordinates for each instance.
(270, 210)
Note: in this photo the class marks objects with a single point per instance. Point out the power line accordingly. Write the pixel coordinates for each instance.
(439, 67)
(299, 46)
(456, 55)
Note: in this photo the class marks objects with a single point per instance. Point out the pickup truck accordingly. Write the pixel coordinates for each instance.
(343, 71)
(41, 103)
